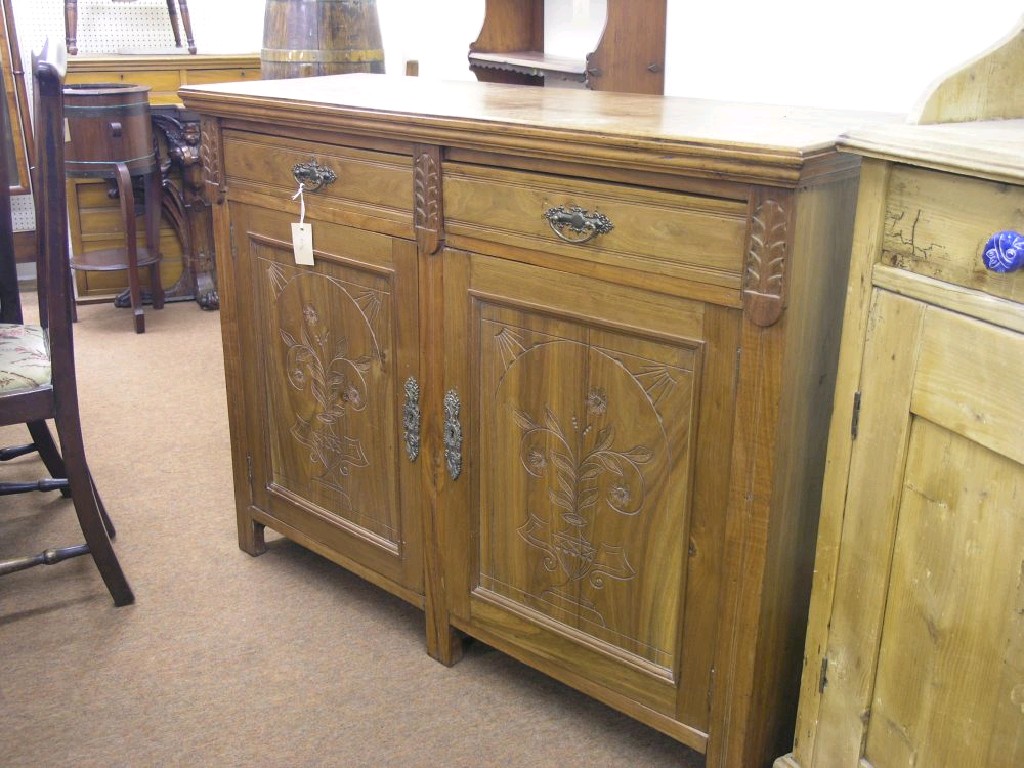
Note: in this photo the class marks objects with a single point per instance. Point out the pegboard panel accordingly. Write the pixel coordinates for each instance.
(106, 26)
(23, 213)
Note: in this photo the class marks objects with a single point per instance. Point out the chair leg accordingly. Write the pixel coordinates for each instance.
(127, 195)
(47, 448)
(172, 11)
(107, 522)
(187, 24)
(87, 508)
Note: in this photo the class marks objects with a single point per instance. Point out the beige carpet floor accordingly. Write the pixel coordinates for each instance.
(224, 659)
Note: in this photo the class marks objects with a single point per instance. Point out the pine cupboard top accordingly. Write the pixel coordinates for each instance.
(991, 149)
(722, 140)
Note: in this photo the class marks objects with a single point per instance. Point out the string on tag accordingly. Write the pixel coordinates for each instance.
(302, 202)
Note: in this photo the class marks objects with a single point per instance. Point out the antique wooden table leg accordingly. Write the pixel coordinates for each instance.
(185, 22)
(71, 25)
(172, 11)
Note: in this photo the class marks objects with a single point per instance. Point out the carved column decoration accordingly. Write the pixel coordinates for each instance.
(764, 280)
(184, 201)
(427, 197)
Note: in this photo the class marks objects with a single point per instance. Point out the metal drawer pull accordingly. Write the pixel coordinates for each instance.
(1004, 251)
(312, 175)
(411, 418)
(452, 434)
(575, 225)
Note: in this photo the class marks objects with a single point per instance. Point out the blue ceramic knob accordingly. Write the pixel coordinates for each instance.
(1004, 252)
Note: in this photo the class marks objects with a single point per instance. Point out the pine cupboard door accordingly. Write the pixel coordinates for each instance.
(568, 517)
(326, 352)
(925, 658)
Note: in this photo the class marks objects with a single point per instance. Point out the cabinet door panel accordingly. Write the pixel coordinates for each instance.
(580, 431)
(328, 354)
(932, 672)
(584, 454)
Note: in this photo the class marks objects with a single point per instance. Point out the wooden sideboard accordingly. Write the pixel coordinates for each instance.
(560, 372)
(94, 215)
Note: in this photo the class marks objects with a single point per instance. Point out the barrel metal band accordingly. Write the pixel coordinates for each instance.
(101, 110)
(88, 167)
(292, 55)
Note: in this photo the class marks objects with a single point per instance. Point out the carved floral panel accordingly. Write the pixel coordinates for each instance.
(585, 452)
(328, 376)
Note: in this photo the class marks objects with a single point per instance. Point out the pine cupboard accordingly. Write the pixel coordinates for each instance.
(915, 651)
(915, 643)
(559, 373)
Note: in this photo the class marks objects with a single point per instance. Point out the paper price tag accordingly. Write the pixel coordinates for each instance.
(302, 243)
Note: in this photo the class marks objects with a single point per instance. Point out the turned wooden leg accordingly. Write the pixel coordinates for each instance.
(172, 11)
(71, 25)
(127, 195)
(183, 4)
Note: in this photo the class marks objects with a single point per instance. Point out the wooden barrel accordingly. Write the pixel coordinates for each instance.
(303, 38)
(108, 123)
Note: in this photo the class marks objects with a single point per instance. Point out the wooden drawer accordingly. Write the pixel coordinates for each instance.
(694, 238)
(937, 225)
(206, 76)
(157, 80)
(373, 190)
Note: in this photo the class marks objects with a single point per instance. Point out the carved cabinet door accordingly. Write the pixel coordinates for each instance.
(574, 410)
(329, 352)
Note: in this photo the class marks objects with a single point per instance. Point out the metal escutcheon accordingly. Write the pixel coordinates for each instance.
(312, 175)
(411, 418)
(575, 225)
(452, 434)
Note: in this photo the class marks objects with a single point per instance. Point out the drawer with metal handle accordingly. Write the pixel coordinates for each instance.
(365, 188)
(689, 237)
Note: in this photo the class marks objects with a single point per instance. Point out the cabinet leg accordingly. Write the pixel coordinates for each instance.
(251, 537)
(444, 643)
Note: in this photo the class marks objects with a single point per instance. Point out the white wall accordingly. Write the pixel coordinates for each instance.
(873, 54)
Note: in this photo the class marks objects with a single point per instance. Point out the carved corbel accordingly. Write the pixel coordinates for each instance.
(764, 279)
(427, 214)
(213, 166)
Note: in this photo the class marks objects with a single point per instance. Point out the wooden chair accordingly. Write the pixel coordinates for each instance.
(37, 363)
(71, 23)
(11, 314)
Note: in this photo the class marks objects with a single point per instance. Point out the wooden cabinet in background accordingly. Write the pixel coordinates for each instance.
(565, 384)
(629, 57)
(163, 73)
(94, 215)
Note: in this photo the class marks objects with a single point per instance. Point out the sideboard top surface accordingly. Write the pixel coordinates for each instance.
(992, 149)
(749, 142)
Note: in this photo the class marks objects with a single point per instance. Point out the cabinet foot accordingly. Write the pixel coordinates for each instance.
(445, 645)
(251, 537)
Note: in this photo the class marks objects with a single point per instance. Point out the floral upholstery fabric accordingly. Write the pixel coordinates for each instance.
(24, 357)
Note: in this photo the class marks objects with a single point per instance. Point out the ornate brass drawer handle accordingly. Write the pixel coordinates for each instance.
(575, 225)
(1004, 251)
(312, 175)
(452, 434)
(411, 418)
